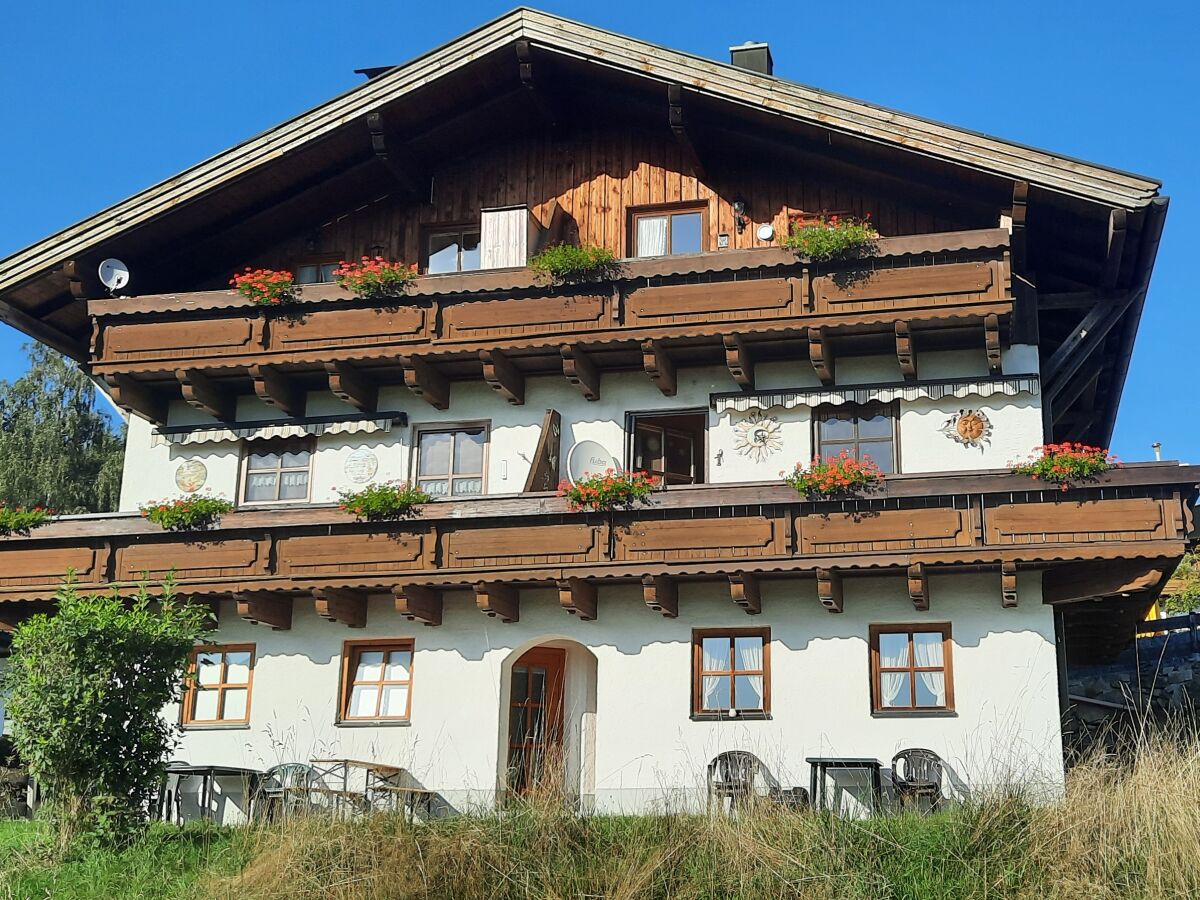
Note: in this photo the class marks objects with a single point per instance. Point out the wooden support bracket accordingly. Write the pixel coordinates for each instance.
(1115, 249)
(351, 386)
(743, 589)
(578, 597)
(408, 174)
(504, 378)
(419, 603)
(829, 589)
(905, 354)
(738, 361)
(525, 68)
(659, 367)
(820, 355)
(1008, 585)
(265, 609)
(661, 595)
(134, 397)
(918, 586)
(677, 119)
(337, 605)
(580, 371)
(500, 601)
(991, 343)
(274, 388)
(426, 382)
(200, 391)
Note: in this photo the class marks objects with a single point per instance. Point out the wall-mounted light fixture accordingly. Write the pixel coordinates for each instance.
(375, 250)
(739, 214)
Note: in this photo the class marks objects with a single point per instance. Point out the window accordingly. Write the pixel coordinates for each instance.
(315, 273)
(910, 668)
(662, 232)
(731, 670)
(860, 431)
(450, 462)
(218, 691)
(277, 472)
(453, 250)
(377, 680)
(670, 446)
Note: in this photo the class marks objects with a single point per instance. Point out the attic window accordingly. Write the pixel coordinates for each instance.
(453, 250)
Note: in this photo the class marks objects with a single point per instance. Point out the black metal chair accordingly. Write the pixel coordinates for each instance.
(917, 775)
(740, 778)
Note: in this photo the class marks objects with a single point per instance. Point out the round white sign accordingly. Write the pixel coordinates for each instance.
(191, 475)
(361, 465)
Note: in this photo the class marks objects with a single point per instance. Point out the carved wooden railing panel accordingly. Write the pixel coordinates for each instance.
(484, 320)
(337, 329)
(723, 301)
(694, 540)
(193, 557)
(886, 530)
(913, 287)
(1070, 521)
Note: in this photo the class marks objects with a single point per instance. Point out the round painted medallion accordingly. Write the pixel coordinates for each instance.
(361, 465)
(190, 475)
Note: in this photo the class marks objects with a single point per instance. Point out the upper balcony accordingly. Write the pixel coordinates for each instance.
(739, 307)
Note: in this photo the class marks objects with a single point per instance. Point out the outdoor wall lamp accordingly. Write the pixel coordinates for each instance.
(739, 214)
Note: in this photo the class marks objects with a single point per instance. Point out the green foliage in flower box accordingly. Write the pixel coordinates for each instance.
(23, 519)
(568, 263)
(610, 490)
(833, 238)
(383, 502)
(195, 513)
(837, 476)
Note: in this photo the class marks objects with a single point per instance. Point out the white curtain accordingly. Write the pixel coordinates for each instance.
(652, 236)
(716, 658)
(891, 682)
(927, 650)
(750, 658)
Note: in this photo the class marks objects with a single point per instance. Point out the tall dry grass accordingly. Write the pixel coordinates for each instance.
(1124, 829)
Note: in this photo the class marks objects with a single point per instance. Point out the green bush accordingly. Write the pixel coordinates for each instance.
(838, 237)
(86, 688)
(195, 513)
(381, 502)
(568, 263)
(22, 519)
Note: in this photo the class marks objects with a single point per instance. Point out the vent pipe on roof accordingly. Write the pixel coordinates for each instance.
(754, 57)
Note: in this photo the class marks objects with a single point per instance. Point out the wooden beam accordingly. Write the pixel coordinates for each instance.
(337, 605)
(904, 351)
(580, 371)
(1114, 250)
(134, 397)
(200, 391)
(1080, 385)
(578, 597)
(545, 467)
(820, 355)
(525, 69)
(1008, 585)
(500, 601)
(738, 361)
(276, 389)
(504, 378)
(419, 603)
(659, 367)
(351, 386)
(829, 589)
(408, 174)
(918, 587)
(265, 609)
(743, 589)
(1099, 579)
(1019, 214)
(677, 120)
(991, 343)
(426, 382)
(1073, 352)
(661, 594)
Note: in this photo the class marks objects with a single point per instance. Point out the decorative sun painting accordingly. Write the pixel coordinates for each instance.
(757, 436)
(969, 427)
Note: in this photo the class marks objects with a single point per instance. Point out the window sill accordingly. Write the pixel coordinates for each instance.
(914, 714)
(218, 726)
(375, 723)
(725, 717)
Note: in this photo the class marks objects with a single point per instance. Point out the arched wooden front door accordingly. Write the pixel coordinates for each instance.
(535, 717)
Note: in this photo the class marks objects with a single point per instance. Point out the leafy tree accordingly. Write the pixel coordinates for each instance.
(56, 449)
(1184, 587)
(86, 687)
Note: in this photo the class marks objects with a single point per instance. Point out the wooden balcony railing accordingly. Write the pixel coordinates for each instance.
(1120, 534)
(735, 308)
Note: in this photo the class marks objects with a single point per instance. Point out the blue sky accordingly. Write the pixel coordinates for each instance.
(102, 99)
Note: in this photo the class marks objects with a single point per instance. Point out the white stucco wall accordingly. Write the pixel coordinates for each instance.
(1017, 426)
(647, 751)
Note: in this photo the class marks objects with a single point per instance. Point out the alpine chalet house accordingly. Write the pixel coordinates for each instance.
(936, 608)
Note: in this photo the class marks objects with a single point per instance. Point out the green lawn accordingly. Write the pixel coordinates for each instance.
(169, 863)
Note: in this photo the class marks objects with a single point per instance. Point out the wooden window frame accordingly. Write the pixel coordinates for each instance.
(247, 451)
(667, 209)
(351, 651)
(891, 409)
(631, 421)
(434, 427)
(698, 712)
(187, 713)
(428, 231)
(913, 669)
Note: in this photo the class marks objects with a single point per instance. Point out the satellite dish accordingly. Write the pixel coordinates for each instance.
(589, 458)
(114, 274)
(766, 231)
